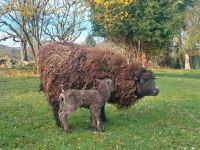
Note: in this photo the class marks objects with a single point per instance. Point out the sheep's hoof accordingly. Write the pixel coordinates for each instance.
(58, 123)
(103, 119)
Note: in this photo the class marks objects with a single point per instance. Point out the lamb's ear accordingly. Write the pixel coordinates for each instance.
(108, 82)
(96, 82)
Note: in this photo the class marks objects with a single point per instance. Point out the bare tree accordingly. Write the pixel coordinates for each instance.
(67, 20)
(32, 22)
(17, 21)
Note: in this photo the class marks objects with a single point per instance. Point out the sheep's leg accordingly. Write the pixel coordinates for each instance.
(55, 107)
(96, 114)
(103, 115)
(41, 87)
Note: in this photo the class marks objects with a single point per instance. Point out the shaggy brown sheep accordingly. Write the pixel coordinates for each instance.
(76, 67)
(93, 99)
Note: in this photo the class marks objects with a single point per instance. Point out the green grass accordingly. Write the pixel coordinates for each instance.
(168, 121)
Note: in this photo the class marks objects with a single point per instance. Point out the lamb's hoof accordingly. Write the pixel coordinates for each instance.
(100, 130)
(67, 130)
(92, 126)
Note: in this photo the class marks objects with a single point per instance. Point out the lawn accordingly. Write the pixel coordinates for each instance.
(168, 121)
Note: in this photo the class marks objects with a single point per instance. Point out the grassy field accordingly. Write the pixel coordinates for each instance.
(168, 121)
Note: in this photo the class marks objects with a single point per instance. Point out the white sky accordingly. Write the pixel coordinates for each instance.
(8, 42)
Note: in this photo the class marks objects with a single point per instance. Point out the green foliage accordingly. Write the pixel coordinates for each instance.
(169, 121)
(195, 62)
(193, 38)
(154, 23)
(192, 27)
(90, 40)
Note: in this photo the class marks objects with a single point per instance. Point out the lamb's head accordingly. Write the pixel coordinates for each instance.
(105, 84)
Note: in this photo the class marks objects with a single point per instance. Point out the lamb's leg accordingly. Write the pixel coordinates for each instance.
(92, 119)
(66, 110)
(63, 115)
(96, 114)
(103, 115)
(55, 107)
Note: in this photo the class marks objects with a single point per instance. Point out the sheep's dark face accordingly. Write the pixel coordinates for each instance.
(146, 85)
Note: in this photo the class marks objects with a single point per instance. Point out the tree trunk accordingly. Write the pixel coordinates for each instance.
(138, 52)
(144, 59)
(187, 61)
(23, 51)
(23, 47)
(180, 62)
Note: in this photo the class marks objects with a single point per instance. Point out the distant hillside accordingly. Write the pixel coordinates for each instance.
(11, 51)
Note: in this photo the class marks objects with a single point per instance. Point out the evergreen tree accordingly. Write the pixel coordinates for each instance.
(143, 26)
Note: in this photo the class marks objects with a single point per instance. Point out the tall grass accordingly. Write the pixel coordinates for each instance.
(18, 72)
